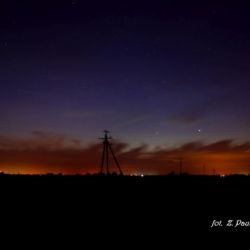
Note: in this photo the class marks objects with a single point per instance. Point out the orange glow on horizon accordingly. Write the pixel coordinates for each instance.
(29, 157)
(221, 163)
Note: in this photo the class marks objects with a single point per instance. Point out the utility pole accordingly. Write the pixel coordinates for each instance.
(105, 154)
(204, 169)
(214, 171)
(181, 164)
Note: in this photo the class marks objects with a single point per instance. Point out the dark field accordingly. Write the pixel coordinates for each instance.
(149, 205)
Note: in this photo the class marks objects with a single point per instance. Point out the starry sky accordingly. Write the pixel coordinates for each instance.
(164, 76)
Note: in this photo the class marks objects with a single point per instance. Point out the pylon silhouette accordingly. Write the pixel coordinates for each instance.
(105, 154)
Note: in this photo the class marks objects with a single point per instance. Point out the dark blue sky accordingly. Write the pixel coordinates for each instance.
(155, 72)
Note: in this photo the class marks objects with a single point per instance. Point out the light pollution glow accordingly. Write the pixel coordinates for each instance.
(57, 155)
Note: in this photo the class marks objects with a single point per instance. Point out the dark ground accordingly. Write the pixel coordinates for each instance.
(123, 207)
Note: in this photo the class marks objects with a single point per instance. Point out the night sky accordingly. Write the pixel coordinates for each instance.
(170, 79)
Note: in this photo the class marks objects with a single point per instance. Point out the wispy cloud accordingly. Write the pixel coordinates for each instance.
(39, 140)
(200, 110)
(46, 152)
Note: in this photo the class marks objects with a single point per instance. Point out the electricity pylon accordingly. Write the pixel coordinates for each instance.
(180, 164)
(105, 154)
